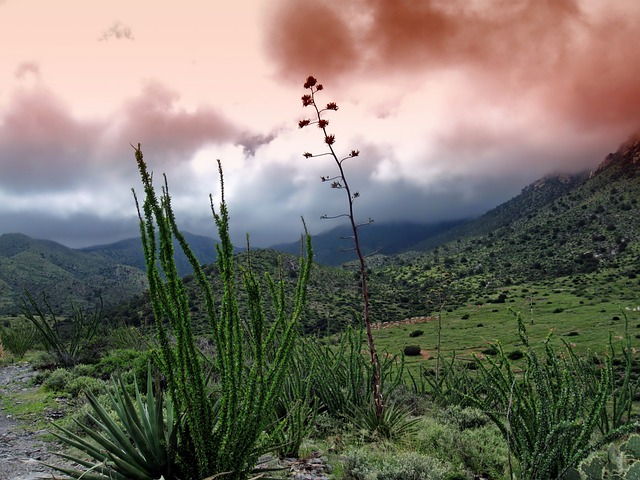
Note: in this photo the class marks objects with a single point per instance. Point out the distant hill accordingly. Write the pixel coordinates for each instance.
(129, 252)
(65, 275)
(334, 247)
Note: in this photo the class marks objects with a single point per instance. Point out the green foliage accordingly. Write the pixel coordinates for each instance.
(394, 423)
(73, 382)
(295, 410)
(623, 385)
(619, 462)
(251, 353)
(412, 350)
(19, 338)
(139, 443)
(341, 375)
(416, 333)
(363, 464)
(454, 385)
(57, 380)
(547, 418)
(68, 345)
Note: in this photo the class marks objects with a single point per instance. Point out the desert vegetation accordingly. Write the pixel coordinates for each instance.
(523, 365)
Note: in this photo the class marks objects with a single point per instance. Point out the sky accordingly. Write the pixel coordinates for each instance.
(454, 105)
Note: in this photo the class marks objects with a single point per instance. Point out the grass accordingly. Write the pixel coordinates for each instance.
(31, 407)
(580, 318)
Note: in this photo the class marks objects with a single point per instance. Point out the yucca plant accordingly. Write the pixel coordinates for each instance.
(137, 441)
(396, 421)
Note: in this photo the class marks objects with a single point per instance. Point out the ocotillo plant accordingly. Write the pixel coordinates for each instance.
(340, 182)
(221, 437)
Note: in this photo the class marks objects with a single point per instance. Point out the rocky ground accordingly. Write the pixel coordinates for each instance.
(21, 450)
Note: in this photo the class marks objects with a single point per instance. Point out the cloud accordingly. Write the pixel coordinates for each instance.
(118, 31)
(306, 36)
(169, 132)
(79, 169)
(44, 146)
(26, 69)
(577, 57)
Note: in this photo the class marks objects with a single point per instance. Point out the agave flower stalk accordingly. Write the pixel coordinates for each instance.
(340, 182)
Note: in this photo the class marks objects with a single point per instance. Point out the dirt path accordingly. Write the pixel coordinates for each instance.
(20, 449)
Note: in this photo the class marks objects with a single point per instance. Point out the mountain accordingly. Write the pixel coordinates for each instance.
(65, 275)
(559, 226)
(334, 247)
(533, 197)
(129, 252)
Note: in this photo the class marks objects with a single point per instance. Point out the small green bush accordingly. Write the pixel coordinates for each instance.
(515, 355)
(412, 350)
(363, 464)
(57, 380)
(465, 316)
(84, 384)
(18, 339)
(464, 418)
(490, 350)
(416, 333)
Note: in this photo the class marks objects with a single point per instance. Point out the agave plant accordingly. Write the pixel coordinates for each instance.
(139, 442)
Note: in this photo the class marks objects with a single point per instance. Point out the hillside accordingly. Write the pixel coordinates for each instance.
(333, 247)
(129, 252)
(584, 228)
(580, 226)
(64, 274)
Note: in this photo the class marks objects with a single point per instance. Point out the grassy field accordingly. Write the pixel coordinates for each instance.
(582, 314)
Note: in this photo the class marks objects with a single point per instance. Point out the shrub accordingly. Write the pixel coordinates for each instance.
(84, 384)
(363, 464)
(490, 350)
(465, 316)
(57, 380)
(18, 339)
(412, 350)
(551, 415)
(252, 352)
(515, 355)
(69, 346)
(416, 333)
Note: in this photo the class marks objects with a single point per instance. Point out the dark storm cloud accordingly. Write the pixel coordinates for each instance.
(582, 63)
(45, 148)
(43, 145)
(308, 36)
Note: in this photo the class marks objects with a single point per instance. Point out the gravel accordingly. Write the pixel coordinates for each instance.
(21, 451)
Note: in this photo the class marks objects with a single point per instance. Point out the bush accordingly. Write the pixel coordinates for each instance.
(57, 380)
(490, 350)
(465, 316)
(18, 339)
(515, 355)
(84, 384)
(464, 418)
(363, 464)
(412, 350)
(416, 333)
